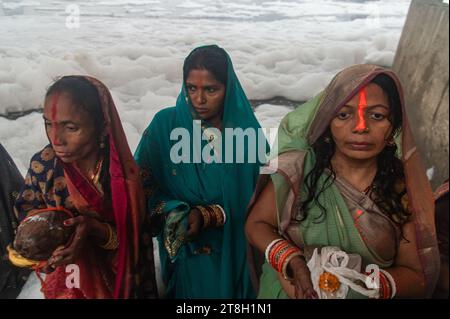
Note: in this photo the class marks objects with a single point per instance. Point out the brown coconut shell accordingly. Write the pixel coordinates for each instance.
(39, 235)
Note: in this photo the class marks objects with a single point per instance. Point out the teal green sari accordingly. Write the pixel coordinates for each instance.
(214, 264)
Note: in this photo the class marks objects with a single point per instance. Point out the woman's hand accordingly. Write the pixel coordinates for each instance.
(195, 223)
(48, 267)
(65, 255)
(301, 279)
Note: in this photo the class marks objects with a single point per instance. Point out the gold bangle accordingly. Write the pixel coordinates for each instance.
(212, 216)
(216, 214)
(205, 214)
(112, 242)
(219, 216)
(109, 236)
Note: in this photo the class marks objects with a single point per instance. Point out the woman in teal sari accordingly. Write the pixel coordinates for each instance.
(199, 198)
(346, 174)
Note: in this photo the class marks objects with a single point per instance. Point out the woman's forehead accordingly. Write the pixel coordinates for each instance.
(373, 95)
(201, 75)
(60, 107)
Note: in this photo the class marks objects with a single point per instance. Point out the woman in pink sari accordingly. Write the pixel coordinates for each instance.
(88, 169)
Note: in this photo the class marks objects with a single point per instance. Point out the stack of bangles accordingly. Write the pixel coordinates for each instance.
(387, 288)
(279, 253)
(112, 242)
(213, 216)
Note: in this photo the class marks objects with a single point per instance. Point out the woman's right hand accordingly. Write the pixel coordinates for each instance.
(195, 224)
(301, 279)
(49, 266)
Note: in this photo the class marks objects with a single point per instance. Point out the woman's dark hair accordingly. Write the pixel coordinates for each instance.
(83, 94)
(387, 189)
(211, 58)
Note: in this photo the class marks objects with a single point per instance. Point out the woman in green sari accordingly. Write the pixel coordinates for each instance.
(346, 174)
(199, 198)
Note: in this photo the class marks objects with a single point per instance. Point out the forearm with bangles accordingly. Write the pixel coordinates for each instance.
(279, 253)
(404, 282)
(386, 284)
(212, 215)
(104, 235)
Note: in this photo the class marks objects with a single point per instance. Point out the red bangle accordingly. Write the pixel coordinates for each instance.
(280, 255)
(383, 287)
(388, 287)
(285, 255)
(274, 252)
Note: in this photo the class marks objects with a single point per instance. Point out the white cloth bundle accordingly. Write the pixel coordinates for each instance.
(346, 267)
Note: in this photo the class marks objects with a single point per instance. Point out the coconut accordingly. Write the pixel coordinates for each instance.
(41, 233)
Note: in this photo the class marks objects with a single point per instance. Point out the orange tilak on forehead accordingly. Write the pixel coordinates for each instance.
(362, 105)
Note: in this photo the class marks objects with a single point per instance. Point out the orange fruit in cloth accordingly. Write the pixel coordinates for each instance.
(329, 282)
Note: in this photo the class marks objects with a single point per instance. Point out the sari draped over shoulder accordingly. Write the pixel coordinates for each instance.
(214, 265)
(53, 183)
(11, 181)
(353, 221)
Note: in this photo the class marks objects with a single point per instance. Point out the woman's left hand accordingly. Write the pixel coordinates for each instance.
(68, 254)
(303, 285)
(195, 224)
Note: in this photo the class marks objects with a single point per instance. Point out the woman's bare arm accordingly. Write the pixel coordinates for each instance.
(407, 270)
(261, 226)
(261, 229)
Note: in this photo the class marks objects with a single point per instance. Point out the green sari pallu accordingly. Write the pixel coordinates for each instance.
(214, 265)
